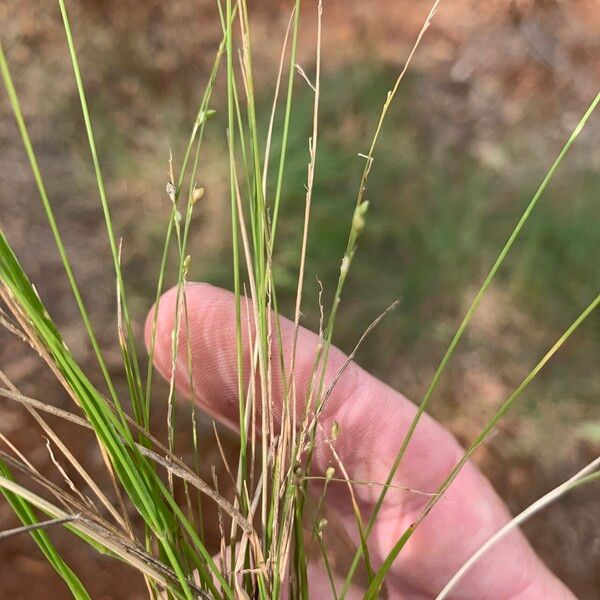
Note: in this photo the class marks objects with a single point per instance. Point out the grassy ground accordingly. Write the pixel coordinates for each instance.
(467, 143)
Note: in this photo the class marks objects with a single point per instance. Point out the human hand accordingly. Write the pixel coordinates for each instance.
(373, 419)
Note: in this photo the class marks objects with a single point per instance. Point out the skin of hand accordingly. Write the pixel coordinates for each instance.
(373, 419)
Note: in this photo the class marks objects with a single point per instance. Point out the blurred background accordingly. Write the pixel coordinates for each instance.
(494, 91)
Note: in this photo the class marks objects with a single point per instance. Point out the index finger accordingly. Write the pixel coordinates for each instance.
(372, 419)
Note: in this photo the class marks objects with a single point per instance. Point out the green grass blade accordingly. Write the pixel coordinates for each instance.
(172, 217)
(136, 382)
(16, 107)
(27, 516)
(373, 590)
(137, 475)
(286, 124)
(465, 322)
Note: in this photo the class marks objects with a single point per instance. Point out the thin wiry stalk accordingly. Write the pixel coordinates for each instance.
(274, 105)
(76, 464)
(357, 225)
(16, 107)
(585, 475)
(309, 193)
(467, 319)
(138, 399)
(7, 533)
(349, 360)
(23, 509)
(169, 233)
(286, 124)
(169, 462)
(327, 564)
(366, 483)
(70, 502)
(259, 228)
(243, 465)
(288, 421)
(355, 508)
(133, 470)
(131, 555)
(361, 205)
(15, 104)
(388, 562)
(313, 141)
(194, 196)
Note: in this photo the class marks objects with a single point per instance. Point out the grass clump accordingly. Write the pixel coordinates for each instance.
(270, 519)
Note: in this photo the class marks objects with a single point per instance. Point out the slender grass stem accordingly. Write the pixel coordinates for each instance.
(16, 107)
(131, 347)
(377, 581)
(465, 322)
(585, 475)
